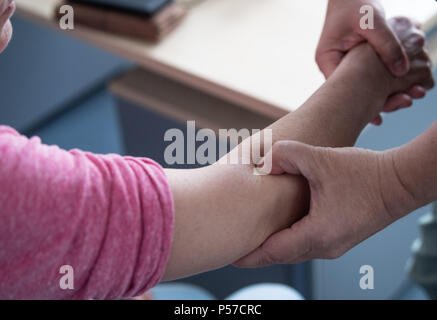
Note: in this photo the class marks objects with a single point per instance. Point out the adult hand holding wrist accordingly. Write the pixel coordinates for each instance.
(354, 194)
(343, 31)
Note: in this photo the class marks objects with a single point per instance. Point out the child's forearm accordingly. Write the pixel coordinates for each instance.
(224, 211)
(336, 114)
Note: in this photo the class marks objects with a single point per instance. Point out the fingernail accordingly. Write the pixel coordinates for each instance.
(400, 67)
(421, 90)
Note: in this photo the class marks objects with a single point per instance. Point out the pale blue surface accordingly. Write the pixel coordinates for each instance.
(260, 291)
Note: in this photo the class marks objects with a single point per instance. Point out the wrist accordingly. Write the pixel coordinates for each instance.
(396, 190)
(286, 200)
(366, 67)
(367, 78)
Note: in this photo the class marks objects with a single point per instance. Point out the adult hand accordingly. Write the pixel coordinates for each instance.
(414, 84)
(354, 194)
(342, 32)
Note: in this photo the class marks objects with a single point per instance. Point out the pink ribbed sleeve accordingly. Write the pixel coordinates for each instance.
(108, 217)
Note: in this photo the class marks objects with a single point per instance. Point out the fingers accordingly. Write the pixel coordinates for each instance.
(271, 163)
(417, 92)
(401, 101)
(292, 157)
(377, 121)
(409, 34)
(398, 101)
(3, 19)
(416, 23)
(7, 12)
(415, 42)
(284, 157)
(289, 246)
(388, 46)
(294, 244)
(422, 74)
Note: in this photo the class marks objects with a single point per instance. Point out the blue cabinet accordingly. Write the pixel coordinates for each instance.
(44, 72)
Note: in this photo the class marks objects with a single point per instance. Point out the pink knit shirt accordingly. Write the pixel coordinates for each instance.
(108, 217)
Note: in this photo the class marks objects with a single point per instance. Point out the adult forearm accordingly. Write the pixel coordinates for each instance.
(415, 165)
(223, 212)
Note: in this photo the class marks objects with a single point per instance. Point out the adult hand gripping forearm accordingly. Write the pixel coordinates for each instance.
(354, 193)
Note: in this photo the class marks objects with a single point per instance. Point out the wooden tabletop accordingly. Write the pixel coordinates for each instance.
(256, 52)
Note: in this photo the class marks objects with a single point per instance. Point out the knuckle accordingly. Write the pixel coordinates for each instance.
(421, 35)
(423, 70)
(430, 84)
(417, 39)
(427, 73)
(402, 21)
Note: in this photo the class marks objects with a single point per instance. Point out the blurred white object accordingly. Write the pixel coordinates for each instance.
(266, 291)
(262, 291)
(424, 11)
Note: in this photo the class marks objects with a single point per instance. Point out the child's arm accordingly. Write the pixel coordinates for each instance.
(223, 212)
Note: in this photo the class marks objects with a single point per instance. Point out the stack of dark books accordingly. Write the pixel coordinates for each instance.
(149, 20)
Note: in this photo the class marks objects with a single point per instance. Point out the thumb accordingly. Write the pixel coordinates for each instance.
(328, 61)
(294, 158)
(290, 157)
(388, 46)
(290, 246)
